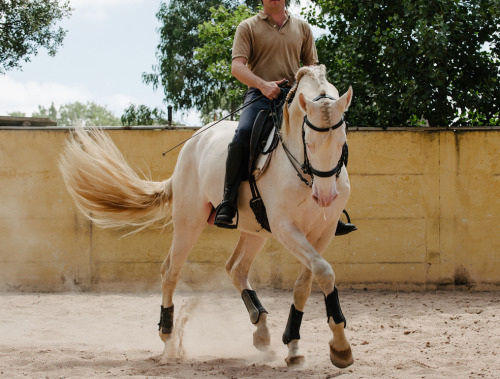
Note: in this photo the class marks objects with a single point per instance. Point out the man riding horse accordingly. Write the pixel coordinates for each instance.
(303, 214)
(267, 51)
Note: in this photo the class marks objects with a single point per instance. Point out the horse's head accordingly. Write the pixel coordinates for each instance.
(323, 130)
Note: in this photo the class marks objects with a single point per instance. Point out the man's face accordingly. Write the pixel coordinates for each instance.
(273, 4)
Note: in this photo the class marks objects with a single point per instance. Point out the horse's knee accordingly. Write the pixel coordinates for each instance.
(324, 275)
(321, 268)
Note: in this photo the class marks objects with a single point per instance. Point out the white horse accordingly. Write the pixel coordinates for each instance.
(302, 217)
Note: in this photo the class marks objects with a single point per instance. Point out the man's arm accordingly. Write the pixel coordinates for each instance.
(240, 71)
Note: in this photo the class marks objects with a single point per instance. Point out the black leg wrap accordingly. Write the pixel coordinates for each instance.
(166, 323)
(292, 330)
(333, 308)
(253, 305)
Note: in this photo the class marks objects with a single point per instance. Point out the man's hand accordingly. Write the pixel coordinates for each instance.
(271, 89)
(240, 71)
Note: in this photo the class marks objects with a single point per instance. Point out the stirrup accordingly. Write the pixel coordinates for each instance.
(224, 225)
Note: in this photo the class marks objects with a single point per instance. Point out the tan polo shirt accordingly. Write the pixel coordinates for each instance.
(274, 53)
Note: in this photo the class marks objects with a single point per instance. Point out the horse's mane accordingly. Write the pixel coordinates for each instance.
(318, 74)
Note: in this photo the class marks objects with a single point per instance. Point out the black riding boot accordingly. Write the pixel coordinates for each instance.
(237, 155)
(345, 227)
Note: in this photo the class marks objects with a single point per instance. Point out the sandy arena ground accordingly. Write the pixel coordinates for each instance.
(440, 334)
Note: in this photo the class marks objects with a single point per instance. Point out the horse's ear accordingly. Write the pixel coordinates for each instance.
(346, 99)
(303, 102)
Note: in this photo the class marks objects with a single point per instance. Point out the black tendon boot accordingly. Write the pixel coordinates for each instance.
(235, 163)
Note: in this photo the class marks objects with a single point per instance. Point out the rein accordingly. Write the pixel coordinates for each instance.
(306, 167)
(215, 123)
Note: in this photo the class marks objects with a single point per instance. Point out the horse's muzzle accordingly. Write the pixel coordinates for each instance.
(324, 198)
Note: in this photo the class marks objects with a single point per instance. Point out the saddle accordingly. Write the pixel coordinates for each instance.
(262, 143)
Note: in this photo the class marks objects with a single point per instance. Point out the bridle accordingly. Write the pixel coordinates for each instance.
(306, 167)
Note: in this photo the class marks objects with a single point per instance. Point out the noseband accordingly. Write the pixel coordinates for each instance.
(306, 167)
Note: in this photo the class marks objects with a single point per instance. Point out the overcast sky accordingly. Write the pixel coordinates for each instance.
(109, 44)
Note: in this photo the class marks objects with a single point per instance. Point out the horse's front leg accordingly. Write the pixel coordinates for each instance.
(291, 336)
(322, 272)
(238, 267)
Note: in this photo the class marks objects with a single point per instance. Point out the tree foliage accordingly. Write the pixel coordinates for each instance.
(28, 25)
(143, 115)
(75, 114)
(16, 114)
(410, 60)
(216, 36)
(184, 80)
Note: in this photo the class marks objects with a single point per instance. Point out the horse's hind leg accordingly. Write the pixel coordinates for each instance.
(238, 267)
(187, 228)
(291, 336)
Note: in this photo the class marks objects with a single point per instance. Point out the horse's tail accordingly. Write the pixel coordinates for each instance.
(104, 186)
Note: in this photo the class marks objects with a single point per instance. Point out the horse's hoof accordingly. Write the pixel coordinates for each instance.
(341, 359)
(262, 341)
(295, 361)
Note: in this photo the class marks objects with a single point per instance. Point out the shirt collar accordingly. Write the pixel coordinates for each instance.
(264, 16)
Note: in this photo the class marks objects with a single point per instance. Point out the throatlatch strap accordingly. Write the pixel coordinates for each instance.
(333, 308)
(254, 307)
(166, 323)
(292, 330)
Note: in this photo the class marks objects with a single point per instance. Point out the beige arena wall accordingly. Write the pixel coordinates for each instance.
(426, 202)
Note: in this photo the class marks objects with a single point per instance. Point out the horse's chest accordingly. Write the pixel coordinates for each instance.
(309, 217)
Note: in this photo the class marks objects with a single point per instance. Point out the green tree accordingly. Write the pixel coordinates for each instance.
(28, 25)
(216, 37)
(16, 114)
(143, 115)
(184, 80)
(50, 112)
(78, 113)
(412, 60)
